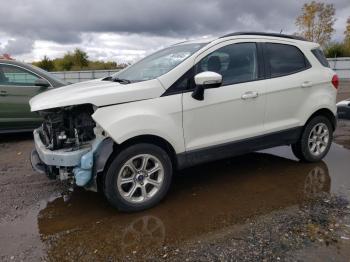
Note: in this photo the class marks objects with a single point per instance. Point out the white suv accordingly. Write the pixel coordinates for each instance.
(190, 103)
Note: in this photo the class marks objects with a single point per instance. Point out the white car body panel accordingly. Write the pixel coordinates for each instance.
(343, 103)
(96, 92)
(161, 117)
(289, 104)
(218, 118)
(140, 109)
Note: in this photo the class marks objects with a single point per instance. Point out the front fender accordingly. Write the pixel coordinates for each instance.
(160, 117)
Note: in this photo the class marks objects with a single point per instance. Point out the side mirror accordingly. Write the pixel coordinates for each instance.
(205, 80)
(42, 83)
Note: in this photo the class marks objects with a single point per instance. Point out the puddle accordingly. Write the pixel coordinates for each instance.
(203, 201)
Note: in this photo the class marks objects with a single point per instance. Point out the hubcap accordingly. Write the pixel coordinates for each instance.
(318, 139)
(140, 178)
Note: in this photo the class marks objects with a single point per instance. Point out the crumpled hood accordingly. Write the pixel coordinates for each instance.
(97, 92)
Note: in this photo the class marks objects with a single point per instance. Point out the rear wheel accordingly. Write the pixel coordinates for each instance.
(315, 140)
(138, 177)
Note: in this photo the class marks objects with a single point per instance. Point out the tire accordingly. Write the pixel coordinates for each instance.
(314, 143)
(130, 185)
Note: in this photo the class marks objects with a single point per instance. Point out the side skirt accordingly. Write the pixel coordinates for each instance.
(212, 153)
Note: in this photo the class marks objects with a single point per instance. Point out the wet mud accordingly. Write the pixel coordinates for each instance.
(261, 206)
(226, 209)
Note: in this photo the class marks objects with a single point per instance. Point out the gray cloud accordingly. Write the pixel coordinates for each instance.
(18, 46)
(152, 22)
(64, 21)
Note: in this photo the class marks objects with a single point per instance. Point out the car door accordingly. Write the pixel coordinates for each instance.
(17, 86)
(289, 86)
(235, 110)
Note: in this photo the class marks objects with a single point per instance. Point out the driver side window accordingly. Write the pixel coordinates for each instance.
(236, 63)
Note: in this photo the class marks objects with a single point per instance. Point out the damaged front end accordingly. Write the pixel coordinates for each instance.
(65, 144)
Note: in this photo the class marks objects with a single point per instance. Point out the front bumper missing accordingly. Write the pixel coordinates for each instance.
(61, 157)
(79, 161)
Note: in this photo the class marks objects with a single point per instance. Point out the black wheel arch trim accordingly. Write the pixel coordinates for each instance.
(102, 155)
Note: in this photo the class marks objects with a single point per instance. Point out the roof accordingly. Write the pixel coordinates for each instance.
(251, 34)
(265, 34)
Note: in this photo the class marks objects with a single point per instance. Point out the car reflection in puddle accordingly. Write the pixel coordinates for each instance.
(203, 200)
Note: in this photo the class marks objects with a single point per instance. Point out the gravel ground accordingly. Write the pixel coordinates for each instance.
(299, 232)
(20, 186)
(276, 236)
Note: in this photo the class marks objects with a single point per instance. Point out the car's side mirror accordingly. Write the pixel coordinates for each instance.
(205, 80)
(42, 83)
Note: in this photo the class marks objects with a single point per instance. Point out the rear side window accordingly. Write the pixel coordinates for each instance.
(284, 59)
(320, 57)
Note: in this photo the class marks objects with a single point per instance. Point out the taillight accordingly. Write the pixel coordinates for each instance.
(335, 81)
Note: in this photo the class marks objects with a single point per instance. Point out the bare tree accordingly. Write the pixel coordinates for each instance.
(316, 22)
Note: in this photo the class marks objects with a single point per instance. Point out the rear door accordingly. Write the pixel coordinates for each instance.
(288, 87)
(17, 86)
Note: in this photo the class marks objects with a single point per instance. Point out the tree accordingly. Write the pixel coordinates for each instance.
(75, 61)
(335, 50)
(66, 63)
(80, 59)
(347, 35)
(72, 61)
(316, 22)
(46, 64)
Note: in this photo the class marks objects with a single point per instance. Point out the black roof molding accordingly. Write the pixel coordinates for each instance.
(266, 34)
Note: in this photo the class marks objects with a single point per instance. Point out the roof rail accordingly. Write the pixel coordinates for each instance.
(266, 34)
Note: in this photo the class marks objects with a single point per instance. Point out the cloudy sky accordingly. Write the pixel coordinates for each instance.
(126, 30)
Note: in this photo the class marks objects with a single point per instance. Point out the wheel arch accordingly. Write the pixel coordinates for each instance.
(151, 139)
(327, 113)
(109, 149)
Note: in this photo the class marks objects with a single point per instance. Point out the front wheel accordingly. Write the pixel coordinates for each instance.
(138, 177)
(315, 140)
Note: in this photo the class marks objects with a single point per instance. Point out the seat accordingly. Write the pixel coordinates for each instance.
(214, 64)
(239, 69)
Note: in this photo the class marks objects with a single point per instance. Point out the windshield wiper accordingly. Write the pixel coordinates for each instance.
(120, 80)
(116, 79)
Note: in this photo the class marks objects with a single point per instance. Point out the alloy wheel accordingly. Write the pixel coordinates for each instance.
(318, 139)
(140, 178)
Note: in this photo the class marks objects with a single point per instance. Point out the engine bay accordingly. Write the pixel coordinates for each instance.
(68, 127)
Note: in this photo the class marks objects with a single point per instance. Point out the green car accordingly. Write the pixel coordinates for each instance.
(19, 82)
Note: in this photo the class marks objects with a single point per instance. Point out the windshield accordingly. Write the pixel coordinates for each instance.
(158, 63)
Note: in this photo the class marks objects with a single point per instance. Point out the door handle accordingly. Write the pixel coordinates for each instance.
(3, 93)
(306, 84)
(250, 95)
